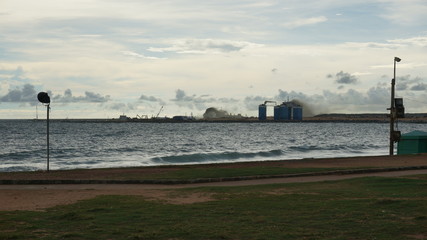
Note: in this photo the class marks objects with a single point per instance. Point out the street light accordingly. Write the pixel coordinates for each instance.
(45, 99)
(394, 135)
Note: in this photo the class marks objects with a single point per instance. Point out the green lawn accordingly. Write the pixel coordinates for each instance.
(181, 173)
(364, 208)
(197, 173)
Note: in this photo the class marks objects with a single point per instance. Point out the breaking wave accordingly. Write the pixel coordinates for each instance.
(104, 145)
(217, 157)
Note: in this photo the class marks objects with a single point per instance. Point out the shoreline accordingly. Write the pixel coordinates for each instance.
(333, 117)
(133, 174)
(306, 120)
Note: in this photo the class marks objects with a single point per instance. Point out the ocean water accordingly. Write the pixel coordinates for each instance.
(127, 144)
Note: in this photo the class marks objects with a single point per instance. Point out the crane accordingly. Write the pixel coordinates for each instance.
(159, 112)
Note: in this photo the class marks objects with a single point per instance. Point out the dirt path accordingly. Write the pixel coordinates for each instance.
(39, 197)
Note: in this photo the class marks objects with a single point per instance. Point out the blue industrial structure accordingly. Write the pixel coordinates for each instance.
(297, 113)
(262, 112)
(283, 112)
(277, 111)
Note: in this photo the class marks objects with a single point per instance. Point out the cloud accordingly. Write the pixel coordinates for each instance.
(13, 75)
(138, 55)
(408, 83)
(203, 46)
(305, 22)
(89, 97)
(151, 99)
(25, 94)
(407, 13)
(401, 86)
(374, 45)
(123, 107)
(106, 47)
(415, 41)
(198, 102)
(251, 102)
(344, 78)
(419, 87)
(95, 97)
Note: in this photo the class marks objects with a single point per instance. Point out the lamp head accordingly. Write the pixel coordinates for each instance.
(397, 59)
(43, 97)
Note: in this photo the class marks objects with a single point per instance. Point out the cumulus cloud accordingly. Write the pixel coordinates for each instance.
(198, 102)
(343, 78)
(13, 76)
(379, 95)
(25, 94)
(202, 46)
(410, 83)
(419, 87)
(251, 102)
(123, 107)
(89, 97)
(401, 86)
(150, 99)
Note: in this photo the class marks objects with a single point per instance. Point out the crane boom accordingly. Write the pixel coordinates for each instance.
(159, 112)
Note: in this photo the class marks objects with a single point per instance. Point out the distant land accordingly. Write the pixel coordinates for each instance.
(332, 117)
(368, 117)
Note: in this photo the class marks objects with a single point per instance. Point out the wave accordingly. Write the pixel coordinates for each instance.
(19, 168)
(334, 147)
(216, 157)
(21, 155)
(98, 145)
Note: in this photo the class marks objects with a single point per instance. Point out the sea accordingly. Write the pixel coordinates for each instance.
(82, 145)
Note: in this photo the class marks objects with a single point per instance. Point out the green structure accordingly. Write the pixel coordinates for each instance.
(412, 142)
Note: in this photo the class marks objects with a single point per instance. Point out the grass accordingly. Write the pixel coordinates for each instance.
(181, 173)
(364, 208)
(192, 173)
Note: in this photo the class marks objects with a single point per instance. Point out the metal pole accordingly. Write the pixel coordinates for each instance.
(392, 106)
(392, 116)
(48, 137)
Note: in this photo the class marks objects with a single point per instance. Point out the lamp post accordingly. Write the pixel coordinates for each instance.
(393, 108)
(45, 99)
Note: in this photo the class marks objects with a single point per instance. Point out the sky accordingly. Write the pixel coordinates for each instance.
(104, 58)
